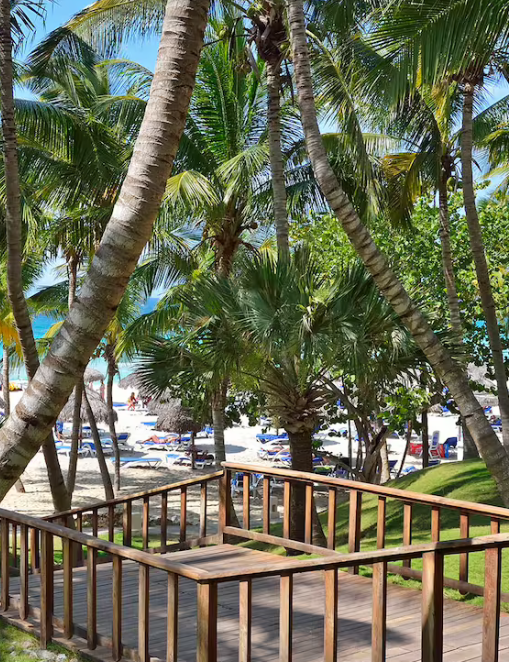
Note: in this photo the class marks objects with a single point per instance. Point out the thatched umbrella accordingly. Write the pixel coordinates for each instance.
(173, 417)
(131, 381)
(92, 375)
(164, 401)
(97, 404)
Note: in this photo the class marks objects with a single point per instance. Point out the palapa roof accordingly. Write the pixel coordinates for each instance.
(93, 375)
(98, 405)
(130, 381)
(173, 417)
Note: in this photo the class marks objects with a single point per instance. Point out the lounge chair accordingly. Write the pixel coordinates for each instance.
(153, 462)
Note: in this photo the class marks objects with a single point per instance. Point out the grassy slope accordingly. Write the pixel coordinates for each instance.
(467, 481)
(14, 643)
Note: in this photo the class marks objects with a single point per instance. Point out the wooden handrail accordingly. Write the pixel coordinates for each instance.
(198, 480)
(403, 495)
(128, 553)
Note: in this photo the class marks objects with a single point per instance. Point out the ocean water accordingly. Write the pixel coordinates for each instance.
(41, 325)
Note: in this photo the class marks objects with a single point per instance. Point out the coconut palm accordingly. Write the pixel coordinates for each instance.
(128, 231)
(451, 374)
(467, 44)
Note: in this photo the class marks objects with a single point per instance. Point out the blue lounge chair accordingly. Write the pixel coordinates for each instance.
(450, 444)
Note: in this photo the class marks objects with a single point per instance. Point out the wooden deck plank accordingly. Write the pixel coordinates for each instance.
(462, 622)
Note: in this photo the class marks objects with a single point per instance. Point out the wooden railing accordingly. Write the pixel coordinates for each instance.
(117, 515)
(354, 491)
(36, 548)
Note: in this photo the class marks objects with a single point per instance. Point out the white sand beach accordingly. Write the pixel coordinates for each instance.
(241, 446)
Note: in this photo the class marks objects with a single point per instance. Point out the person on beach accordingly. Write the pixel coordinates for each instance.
(132, 402)
(102, 390)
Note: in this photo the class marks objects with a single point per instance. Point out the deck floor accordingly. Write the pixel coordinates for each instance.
(462, 623)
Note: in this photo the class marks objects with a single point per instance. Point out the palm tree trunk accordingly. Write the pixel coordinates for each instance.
(481, 265)
(103, 468)
(13, 227)
(72, 268)
(408, 440)
(218, 407)
(425, 438)
(447, 259)
(385, 470)
(5, 381)
(75, 438)
(301, 448)
(276, 157)
(126, 234)
(492, 452)
(112, 370)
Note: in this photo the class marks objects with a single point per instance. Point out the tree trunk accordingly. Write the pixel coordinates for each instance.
(407, 446)
(481, 265)
(72, 268)
(492, 452)
(75, 438)
(425, 438)
(105, 474)
(218, 407)
(276, 157)
(13, 227)
(112, 370)
(470, 451)
(385, 470)
(6, 379)
(126, 234)
(301, 448)
(447, 259)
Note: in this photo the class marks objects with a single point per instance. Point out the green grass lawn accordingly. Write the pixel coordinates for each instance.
(467, 481)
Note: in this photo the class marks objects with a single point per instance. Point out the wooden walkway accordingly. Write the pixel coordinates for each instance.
(462, 623)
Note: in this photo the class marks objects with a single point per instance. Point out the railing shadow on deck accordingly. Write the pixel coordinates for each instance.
(30, 548)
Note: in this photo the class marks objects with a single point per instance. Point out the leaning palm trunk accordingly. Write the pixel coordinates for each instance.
(126, 234)
(75, 438)
(276, 157)
(112, 370)
(492, 452)
(13, 225)
(481, 265)
(218, 406)
(108, 489)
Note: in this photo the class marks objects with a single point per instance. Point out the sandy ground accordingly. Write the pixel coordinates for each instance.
(241, 446)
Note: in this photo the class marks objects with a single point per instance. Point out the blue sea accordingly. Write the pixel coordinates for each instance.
(41, 325)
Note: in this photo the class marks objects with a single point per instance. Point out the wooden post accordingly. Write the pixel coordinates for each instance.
(173, 617)
(435, 524)
(91, 598)
(331, 616)
(308, 526)
(203, 510)
(245, 619)
(116, 634)
(127, 523)
(331, 519)
(34, 550)
(145, 522)
(286, 618)
(79, 527)
(354, 526)
(246, 484)
(380, 524)
(407, 530)
(67, 549)
(23, 572)
(46, 623)
(143, 612)
(379, 627)
(4, 563)
(224, 500)
(207, 623)
(111, 523)
(287, 501)
(464, 533)
(14, 538)
(432, 607)
(266, 504)
(491, 611)
(183, 514)
(95, 522)
(494, 525)
(164, 522)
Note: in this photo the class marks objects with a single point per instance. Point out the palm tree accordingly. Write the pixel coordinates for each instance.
(127, 232)
(477, 54)
(451, 374)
